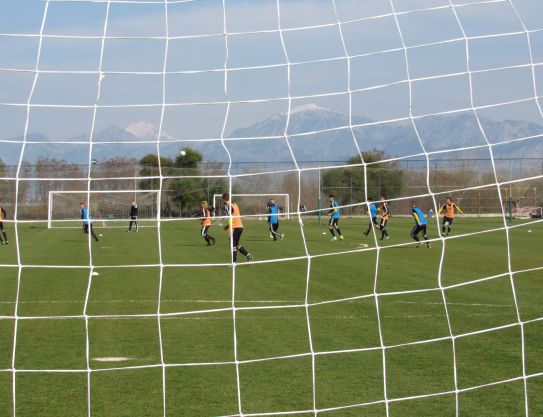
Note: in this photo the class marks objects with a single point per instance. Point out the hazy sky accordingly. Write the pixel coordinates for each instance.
(135, 51)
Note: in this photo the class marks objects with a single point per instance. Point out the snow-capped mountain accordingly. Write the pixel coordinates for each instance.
(333, 140)
(146, 131)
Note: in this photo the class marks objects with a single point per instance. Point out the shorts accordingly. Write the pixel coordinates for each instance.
(204, 231)
(418, 228)
(333, 222)
(236, 236)
(447, 220)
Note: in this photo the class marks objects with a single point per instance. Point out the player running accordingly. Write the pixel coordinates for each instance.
(205, 223)
(273, 220)
(134, 212)
(448, 217)
(87, 222)
(3, 216)
(334, 214)
(235, 223)
(384, 212)
(420, 225)
(373, 216)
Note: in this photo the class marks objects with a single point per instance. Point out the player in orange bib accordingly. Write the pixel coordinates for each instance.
(384, 212)
(448, 216)
(205, 223)
(3, 216)
(236, 227)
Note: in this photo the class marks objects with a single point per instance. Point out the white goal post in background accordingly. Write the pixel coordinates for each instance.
(255, 204)
(107, 207)
(528, 212)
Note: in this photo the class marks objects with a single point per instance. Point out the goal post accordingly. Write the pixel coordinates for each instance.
(112, 208)
(255, 204)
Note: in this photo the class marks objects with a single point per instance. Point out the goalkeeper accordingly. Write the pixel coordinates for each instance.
(236, 226)
(87, 222)
(3, 216)
(134, 212)
(448, 217)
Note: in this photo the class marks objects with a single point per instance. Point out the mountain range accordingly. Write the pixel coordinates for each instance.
(332, 142)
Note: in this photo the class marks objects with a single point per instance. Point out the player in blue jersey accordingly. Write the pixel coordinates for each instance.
(87, 221)
(334, 214)
(373, 215)
(420, 225)
(273, 220)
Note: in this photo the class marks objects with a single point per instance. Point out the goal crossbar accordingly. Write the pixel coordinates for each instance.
(70, 214)
(285, 196)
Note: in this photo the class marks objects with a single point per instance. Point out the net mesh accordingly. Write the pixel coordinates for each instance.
(109, 208)
(414, 86)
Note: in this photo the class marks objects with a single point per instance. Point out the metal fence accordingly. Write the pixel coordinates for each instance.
(471, 182)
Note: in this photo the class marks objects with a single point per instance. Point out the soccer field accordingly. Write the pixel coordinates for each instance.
(364, 326)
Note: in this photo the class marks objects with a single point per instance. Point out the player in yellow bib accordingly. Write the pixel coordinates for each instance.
(449, 208)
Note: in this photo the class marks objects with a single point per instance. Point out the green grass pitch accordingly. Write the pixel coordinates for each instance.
(273, 344)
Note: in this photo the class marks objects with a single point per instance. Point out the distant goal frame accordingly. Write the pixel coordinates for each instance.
(285, 195)
(104, 221)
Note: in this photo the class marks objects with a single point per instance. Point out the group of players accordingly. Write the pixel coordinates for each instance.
(235, 224)
(382, 211)
(230, 208)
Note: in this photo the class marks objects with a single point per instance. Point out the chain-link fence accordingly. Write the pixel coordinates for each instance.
(470, 182)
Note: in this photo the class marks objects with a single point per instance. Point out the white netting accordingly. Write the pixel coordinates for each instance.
(256, 204)
(424, 88)
(111, 209)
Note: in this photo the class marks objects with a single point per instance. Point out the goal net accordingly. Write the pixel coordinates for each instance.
(529, 212)
(109, 208)
(427, 115)
(255, 205)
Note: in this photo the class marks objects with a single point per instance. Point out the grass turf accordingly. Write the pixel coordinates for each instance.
(125, 352)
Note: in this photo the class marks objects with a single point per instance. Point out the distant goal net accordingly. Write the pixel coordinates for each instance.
(528, 213)
(255, 205)
(106, 208)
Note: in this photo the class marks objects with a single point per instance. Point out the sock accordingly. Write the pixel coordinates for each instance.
(333, 233)
(235, 255)
(338, 231)
(243, 251)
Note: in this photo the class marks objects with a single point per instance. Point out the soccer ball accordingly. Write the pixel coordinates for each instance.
(182, 153)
